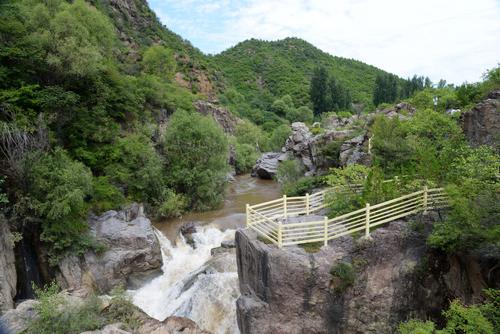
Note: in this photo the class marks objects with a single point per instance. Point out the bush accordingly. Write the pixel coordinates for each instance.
(121, 309)
(57, 316)
(279, 137)
(417, 327)
(302, 186)
(345, 275)
(201, 173)
(245, 156)
(173, 204)
(251, 134)
(59, 189)
(289, 171)
(301, 114)
(106, 196)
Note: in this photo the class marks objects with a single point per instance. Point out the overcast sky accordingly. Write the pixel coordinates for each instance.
(452, 39)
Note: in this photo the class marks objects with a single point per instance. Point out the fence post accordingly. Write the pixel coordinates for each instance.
(425, 200)
(370, 145)
(280, 234)
(247, 213)
(307, 204)
(367, 221)
(284, 206)
(325, 226)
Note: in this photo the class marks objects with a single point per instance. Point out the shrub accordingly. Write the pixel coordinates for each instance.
(289, 171)
(279, 137)
(246, 156)
(345, 275)
(106, 195)
(302, 186)
(59, 189)
(57, 316)
(301, 114)
(121, 309)
(173, 204)
(417, 327)
(201, 172)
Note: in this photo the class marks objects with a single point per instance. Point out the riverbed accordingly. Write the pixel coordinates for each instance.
(195, 284)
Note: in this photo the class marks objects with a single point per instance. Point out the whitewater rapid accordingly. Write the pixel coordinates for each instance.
(194, 284)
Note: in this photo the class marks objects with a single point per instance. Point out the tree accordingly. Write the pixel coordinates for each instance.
(318, 89)
(339, 97)
(196, 152)
(159, 61)
(301, 114)
(386, 89)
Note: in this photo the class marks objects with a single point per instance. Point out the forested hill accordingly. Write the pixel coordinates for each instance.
(268, 70)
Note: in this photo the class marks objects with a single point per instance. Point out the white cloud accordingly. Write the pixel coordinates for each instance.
(455, 40)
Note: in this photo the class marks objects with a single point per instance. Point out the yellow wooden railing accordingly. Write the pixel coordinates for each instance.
(271, 219)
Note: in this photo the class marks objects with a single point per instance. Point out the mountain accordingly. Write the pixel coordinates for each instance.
(267, 70)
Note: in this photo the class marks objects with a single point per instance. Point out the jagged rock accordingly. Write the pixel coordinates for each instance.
(266, 166)
(402, 110)
(131, 250)
(299, 145)
(396, 277)
(352, 152)
(171, 325)
(222, 116)
(17, 320)
(481, 124)
(8, 277)
(187, 229)
(225, 246)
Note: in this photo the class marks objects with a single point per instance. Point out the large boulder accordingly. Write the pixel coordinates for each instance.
(222, 116)
(8, 277)
(401, 110)
(131, 252)
(266, 166)
(299, 145)
(354, 151)
(395, 277)
(17, 320)
(481, 124)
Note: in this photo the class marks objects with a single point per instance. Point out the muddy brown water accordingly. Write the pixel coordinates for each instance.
(231, 215)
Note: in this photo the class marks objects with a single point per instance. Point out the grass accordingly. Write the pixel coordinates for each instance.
(343, 275)
(312, 247)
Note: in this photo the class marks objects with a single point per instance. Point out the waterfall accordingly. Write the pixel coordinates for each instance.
(194, 284)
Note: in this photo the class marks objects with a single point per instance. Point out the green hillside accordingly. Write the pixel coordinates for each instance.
(263, 70)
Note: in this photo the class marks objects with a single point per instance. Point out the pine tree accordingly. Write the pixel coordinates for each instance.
(319, 82)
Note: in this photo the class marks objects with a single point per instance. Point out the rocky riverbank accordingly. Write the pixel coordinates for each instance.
(395, 277)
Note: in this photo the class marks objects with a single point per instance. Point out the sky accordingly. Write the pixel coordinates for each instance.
(457, 40)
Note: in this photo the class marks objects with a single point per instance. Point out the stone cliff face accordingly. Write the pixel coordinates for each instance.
(396, 277)
(8, 277)
(481, 124)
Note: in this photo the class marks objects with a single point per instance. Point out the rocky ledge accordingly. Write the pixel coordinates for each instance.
(395, 277)
(131, 254)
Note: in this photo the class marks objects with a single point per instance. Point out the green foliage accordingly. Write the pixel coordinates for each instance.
(159, 61)
(3, 196)
(134, 166)
(344, 274)
(245, 155)
(59, 187)
(289, 171)
(311, 247)
(173, 204)
(302, 186)
(121, 309)
(463, 319)
(278, 137)
(248, 133)
(318, 90)
(346, 200)
(57, 316)
(386, 89)
(201, 173)
(338, 97)
(301, 114)
(417, 327)
(474, 195)
(283, 67)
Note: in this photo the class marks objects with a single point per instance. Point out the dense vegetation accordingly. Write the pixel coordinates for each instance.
(80, 129)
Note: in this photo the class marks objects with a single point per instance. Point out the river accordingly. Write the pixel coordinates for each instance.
(195, 284)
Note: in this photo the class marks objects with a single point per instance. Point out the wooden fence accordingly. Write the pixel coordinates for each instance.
(271, 219)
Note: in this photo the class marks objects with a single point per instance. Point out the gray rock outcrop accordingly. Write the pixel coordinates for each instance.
(300, 145)
(222, 116)
(481, 124)
(131, 251)
(8, 277)
(17, 320)
(354, 151)
(396, 277)
(266, 166)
